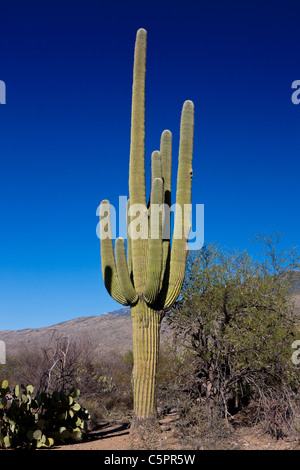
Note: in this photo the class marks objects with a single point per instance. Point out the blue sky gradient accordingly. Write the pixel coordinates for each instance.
(65, 133)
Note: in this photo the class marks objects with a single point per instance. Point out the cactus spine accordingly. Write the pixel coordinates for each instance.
(150, 278)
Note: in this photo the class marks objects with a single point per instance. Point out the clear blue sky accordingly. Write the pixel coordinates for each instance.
(64, 132)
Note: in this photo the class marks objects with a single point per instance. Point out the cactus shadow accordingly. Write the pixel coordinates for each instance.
(106, 431)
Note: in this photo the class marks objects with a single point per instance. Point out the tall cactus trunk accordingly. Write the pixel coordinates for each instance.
(149, 276)
(145, 338)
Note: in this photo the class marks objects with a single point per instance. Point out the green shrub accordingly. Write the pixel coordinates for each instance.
(237, 319)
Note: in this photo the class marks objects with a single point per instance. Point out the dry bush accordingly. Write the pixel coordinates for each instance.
(54, 365)
(63, 364)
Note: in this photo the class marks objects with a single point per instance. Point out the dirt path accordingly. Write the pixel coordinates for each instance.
(107, 437)
(118, 437)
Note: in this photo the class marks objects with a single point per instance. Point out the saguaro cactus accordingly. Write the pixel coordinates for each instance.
(150, 278)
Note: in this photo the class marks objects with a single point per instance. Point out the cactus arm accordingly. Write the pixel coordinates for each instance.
(154, 258)
(137, 189)
(166, 160)
(156, 166)
(123, 274)
(183, 198)
(156, 172)
(129, 247)
(108, 265)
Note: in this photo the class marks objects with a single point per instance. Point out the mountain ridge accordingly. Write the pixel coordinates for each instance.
(111, 331)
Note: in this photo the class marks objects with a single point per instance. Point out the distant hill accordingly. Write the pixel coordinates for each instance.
(295, 283)
(109, 331)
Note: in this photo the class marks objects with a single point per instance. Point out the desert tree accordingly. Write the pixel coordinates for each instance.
(237, 318)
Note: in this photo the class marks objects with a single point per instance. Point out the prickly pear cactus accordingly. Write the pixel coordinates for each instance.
(32, 422)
